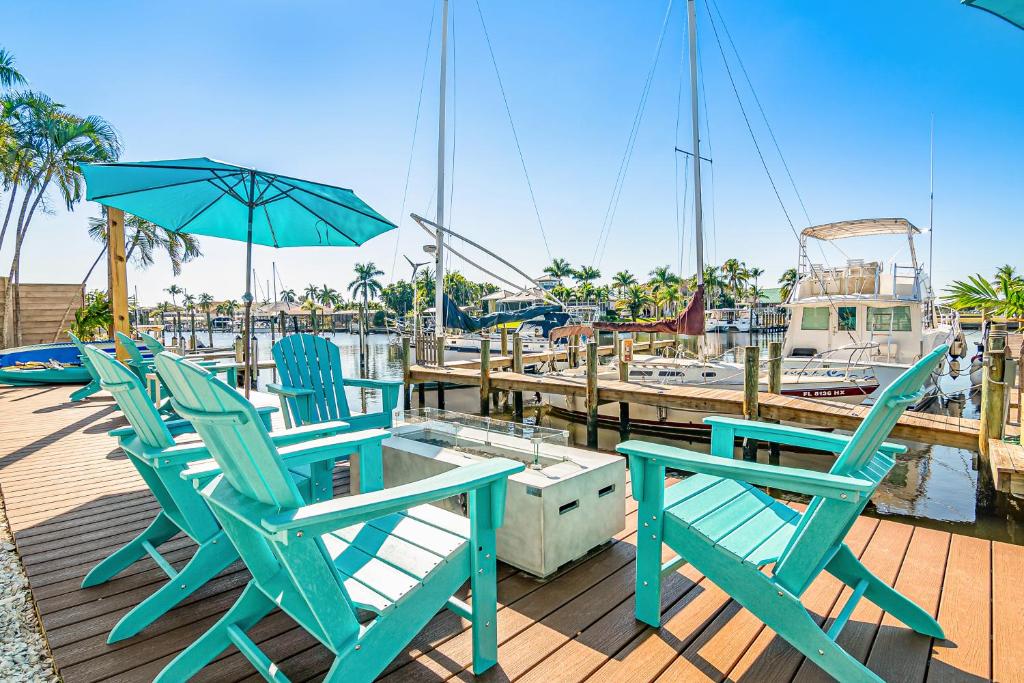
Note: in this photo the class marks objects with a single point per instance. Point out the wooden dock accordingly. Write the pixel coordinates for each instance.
(1006, 457)
(72, 497)
(922, 427)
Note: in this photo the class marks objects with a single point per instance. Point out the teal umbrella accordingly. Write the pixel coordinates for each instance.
(206, 197)
(1010, 10)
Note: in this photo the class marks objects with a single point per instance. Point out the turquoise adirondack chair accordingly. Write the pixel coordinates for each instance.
(728, 529)
(149, 443)
(312, 387)
(385, 552)
(143, 366)
(94, 380)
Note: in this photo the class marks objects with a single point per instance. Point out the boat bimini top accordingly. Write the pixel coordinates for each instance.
(861, 227)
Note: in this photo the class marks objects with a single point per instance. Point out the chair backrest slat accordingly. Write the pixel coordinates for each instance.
(154, 345)
(306, 361)
(826, 521)
(131, 398)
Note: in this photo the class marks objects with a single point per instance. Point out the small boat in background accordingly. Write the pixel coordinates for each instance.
(56, 363)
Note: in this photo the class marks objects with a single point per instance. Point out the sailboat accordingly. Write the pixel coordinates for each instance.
(853, 329)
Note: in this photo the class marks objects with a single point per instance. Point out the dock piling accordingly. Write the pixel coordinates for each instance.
(623, 405)
(517, 367)
(485, 376)
(751, 370)
(592, 393)
(440, 363)
(406, 377)
(774, 387)
(993, 391)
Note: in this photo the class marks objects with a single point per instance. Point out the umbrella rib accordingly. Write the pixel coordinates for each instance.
(326, 222)
(270, 225)
(281, 193)
(379, 219)
(198, 213)
(149, 189)
(229, 190)
(269, 178)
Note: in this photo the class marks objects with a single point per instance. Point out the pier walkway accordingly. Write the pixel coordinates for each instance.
(72, 497)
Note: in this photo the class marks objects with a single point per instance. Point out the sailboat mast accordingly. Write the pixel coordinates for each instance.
(691, 10)
(439, 234)
(931, 206)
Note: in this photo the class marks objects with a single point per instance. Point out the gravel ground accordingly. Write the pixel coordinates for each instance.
(24, 655)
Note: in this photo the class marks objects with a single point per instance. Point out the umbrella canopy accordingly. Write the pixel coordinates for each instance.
(206, 197)
(1011, 10)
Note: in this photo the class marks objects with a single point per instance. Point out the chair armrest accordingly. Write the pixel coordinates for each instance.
(288, 392)
(791, 436)
(175, 427)
(793, 479)
(330, 447)
(372, 383)
(324, 444)
(321, 518)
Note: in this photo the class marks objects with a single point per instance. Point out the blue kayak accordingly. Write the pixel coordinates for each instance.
(56, 363)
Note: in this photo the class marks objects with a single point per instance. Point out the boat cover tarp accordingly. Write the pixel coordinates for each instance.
(689, 322)
(456, 319)
(567, 331)
(862, 227)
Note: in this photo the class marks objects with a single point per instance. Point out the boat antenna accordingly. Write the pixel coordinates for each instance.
(439, 234)
(691, 12)
(931, 208)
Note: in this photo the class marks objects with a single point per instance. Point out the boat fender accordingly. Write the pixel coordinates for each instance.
(954, 368)
(958, 347)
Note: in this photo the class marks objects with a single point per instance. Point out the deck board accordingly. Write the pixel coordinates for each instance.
(72, 498)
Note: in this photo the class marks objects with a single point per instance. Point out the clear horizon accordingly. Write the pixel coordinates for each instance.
(329, 92)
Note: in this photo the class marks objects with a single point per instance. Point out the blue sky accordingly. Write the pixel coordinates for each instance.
(328, 91)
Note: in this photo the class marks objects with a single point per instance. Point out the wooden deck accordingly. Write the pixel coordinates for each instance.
(72, 497)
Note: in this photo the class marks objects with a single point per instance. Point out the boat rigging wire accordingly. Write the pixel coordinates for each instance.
(515, 135)
(412, 145)
(627, 154)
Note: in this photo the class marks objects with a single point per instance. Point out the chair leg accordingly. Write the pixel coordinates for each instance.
(250, 607)
(647, 606)
(160, 530)
(848, 569)
(789, 619)
(321, 481)
(88, 390)
(211, 558)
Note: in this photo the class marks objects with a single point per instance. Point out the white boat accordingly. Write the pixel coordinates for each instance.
(853, 330)
(727, 320)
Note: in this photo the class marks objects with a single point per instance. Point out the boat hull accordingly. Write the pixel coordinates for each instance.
(64, 353)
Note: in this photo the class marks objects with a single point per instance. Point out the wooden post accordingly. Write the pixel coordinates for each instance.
(504, 341)
(118, 277)
(623, 405)
(406, 385)
(440, 363)
(517, 367)
(993, 391)
(774, 387)
(574, 351)
(485, 376)
(592, 394)
(284, 328)
(751, 370)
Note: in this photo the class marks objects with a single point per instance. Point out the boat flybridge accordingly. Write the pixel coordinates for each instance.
(854, 328)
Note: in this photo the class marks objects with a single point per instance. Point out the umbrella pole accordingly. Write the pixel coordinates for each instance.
(247, 297)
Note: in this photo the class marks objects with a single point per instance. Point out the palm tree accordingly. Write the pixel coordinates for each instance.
(585, 292)
(756, 294)
(663, 280)
(9, 76)
(190, 305)
(311, 306)
(144, 240)
(287, 296)
(587, 274)
(788, 281)
(206, 306)
(754, 274)
(174, 291)
(735, 273)
(623, 279)
(228, 308)
(367, 285)
(1003, 297)
(668, 298)
(312, 292)
(329, 298)
(45, 146)
(714, 285)
(559, 268)
(561, 292)
(635, 300)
